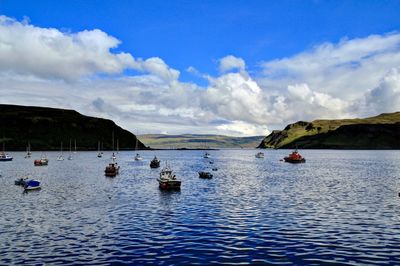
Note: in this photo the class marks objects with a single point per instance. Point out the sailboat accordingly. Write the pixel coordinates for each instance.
(99, 154)
(61, 157)
(28, 151)
(4, 157)
(137, 157)
(75, 145)
(70, 150)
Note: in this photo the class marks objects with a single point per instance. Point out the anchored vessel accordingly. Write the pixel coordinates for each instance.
(205, 175)
(295, 157)
(42, 161)
(260, 155)
(167, 180)
(112, 169)
(155, 163)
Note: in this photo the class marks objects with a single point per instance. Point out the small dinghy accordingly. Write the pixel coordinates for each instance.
(167, 180)
(155, 163)
(205, 175)
(206, 155)
(215, 169)
(32, 185)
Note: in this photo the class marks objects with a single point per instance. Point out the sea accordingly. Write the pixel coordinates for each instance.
(341, 207)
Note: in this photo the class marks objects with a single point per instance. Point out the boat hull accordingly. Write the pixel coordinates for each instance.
(169, 185)
(289, 160)
(5, 159)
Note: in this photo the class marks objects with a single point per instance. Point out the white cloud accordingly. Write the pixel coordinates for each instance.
(386, 96)
(47, 67)
(231, 62)
(50, 53)
(346, 69)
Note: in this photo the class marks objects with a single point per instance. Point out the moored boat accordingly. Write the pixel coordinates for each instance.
(295, 157)
(205, 175)
(42, 161)
(206, 155)
(4, 157)
(260, 155)
(32, 185)
(138, 157)
(112, 169)
(168, 181)
(155, 163)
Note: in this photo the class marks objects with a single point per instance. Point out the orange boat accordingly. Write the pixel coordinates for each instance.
(295, 157)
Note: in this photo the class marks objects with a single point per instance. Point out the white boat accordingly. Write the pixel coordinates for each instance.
(260, 155)
(138, 157)
(99, 154)
(61, 157)
(4, 157)
(28, 151)
(70, 150)
(75, 145)
(206, 155)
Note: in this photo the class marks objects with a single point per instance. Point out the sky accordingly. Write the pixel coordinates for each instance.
(220, 67)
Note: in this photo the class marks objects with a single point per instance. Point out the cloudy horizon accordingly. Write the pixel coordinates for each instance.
(87, 71)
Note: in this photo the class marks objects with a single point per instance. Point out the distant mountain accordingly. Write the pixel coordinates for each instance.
(193, 141)
(378, 132)
(46, 128)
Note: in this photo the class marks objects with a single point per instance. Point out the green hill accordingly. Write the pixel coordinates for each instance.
(46, 128)
(378, 132)
(196, 141)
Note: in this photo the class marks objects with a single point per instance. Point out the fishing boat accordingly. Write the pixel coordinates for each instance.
(155, 163)
(42, 161)
(260, 155)
(28, 151)
(205, 175)
(167, 180)
(32, 185)
(5, 157)
(99, 154)
(61, 157)
(112, 169)
(295, 157)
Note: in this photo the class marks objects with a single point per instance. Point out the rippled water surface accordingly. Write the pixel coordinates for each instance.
(340, 207)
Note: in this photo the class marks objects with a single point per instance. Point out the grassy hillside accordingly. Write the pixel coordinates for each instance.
(46, 128)
(378, 132)
(198, 141)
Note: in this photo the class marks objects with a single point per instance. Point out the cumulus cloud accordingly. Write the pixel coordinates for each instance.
(231, 62)
(386, 96)
(50, 53)
(47, 67)
(351, 66)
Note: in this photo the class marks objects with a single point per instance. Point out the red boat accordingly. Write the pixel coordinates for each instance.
(295, 157)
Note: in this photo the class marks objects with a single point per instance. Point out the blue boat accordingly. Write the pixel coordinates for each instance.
(32, 184)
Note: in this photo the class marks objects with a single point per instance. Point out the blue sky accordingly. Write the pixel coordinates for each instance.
(197, 33)
(243, 54)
